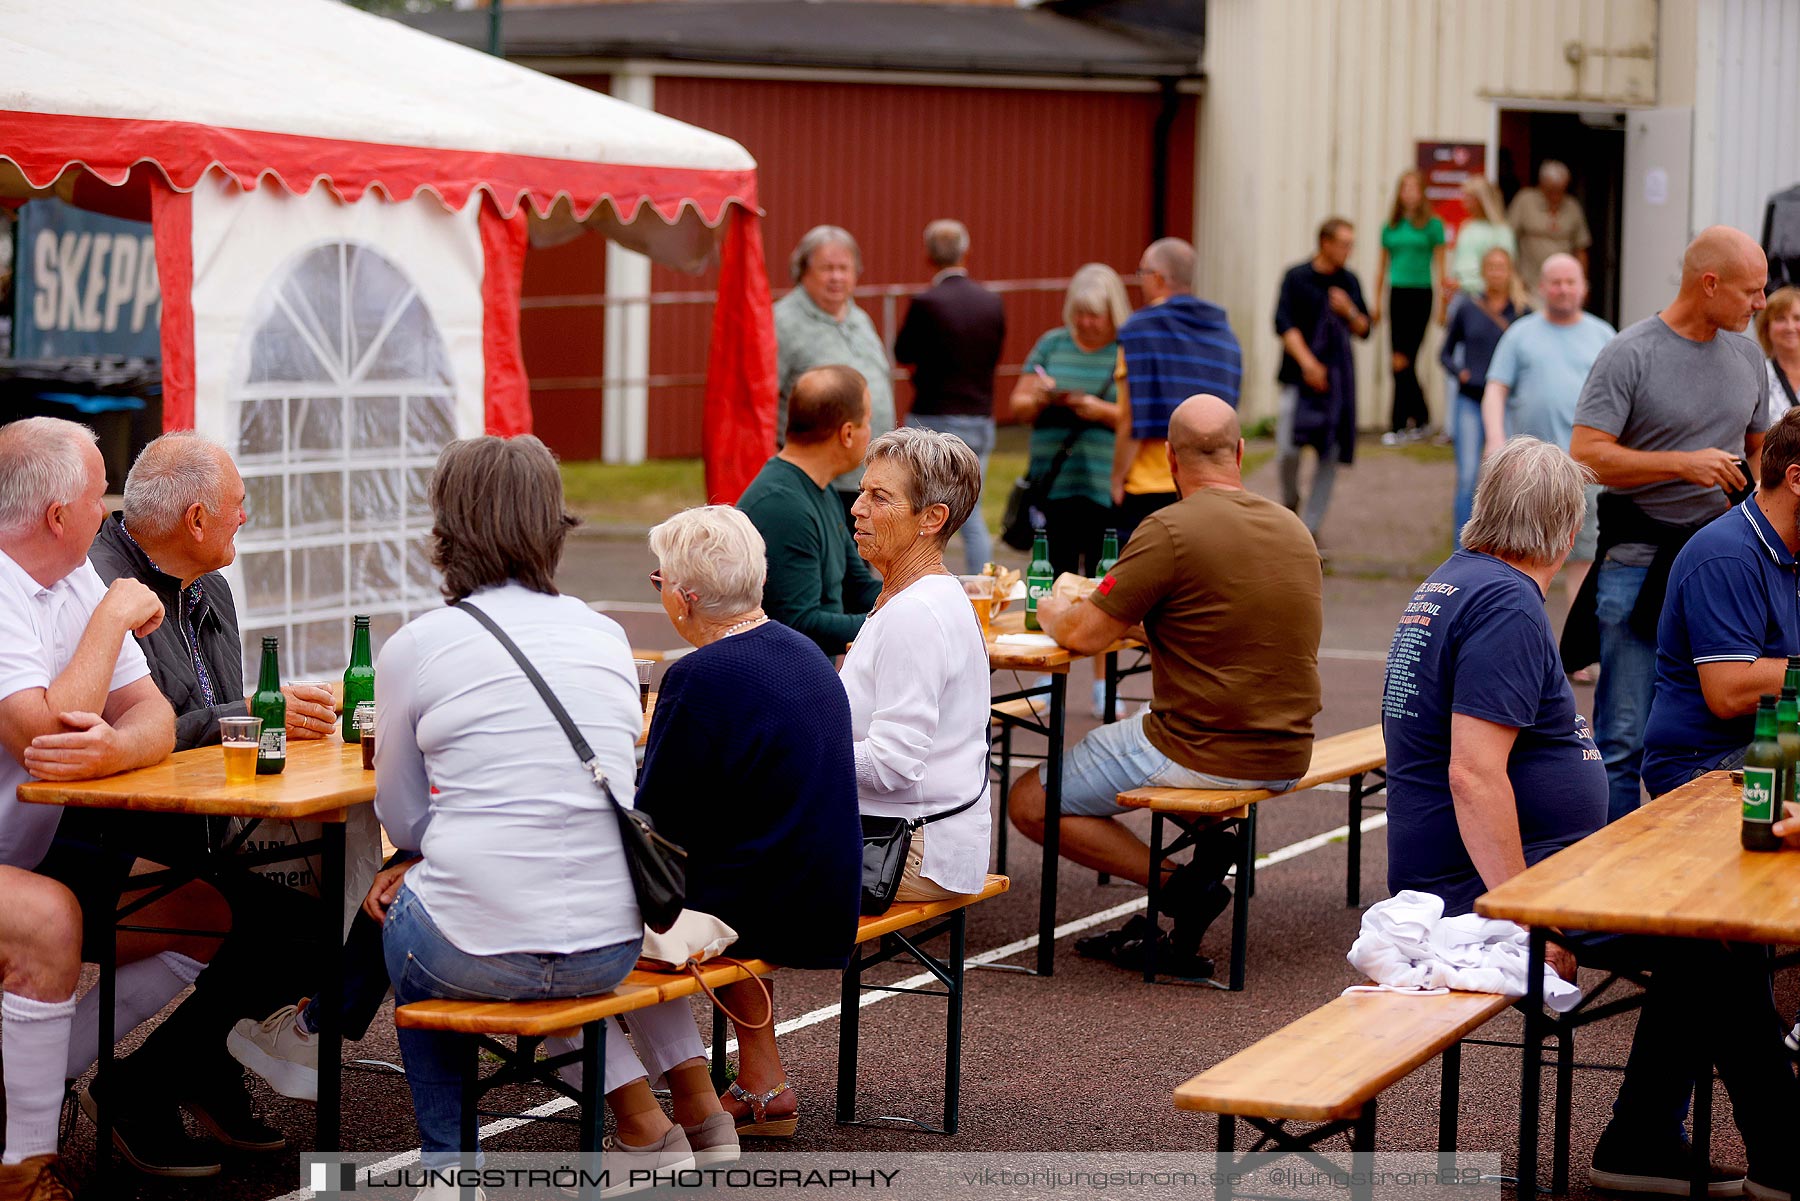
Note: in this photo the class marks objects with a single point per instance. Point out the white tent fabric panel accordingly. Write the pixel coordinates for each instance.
(321, 69)
(353, 334)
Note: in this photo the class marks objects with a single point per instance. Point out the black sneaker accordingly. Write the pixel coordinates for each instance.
(151, 1138)
(1170, 960)
(224, 1110)
(1662, 1168)
(1106, 946)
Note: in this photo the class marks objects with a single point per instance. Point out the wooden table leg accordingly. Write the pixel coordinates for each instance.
(328, 1136)
(1053, 782)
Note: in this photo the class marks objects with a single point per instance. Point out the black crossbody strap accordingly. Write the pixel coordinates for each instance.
(938, 817)
(582, 750)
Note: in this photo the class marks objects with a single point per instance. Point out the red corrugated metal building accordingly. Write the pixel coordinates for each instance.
(1056, 140)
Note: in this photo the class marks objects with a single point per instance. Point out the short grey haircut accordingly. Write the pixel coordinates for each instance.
(41, 464)
(716, 554)
(1096, 288)
(940, 470)
(946, 242)
(1529, 503)
(815, 240)
(1553, 171)
(1173, 259)
(170, 474)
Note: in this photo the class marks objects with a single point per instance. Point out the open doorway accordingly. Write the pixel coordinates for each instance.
(1592, 145)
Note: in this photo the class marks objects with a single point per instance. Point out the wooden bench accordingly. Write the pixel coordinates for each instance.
(1329, 1067)
(530, 1022)
(1358, 756)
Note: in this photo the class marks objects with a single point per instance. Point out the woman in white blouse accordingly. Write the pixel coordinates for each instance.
(520, 890)
(917, 674)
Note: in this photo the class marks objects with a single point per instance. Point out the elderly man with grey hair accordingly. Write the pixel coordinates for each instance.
(76, 702)
(1546, 220)
(1491, 769)
(951, 340)
(184, 504)
(819, 324)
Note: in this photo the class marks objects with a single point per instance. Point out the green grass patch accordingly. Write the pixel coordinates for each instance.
(639, 494)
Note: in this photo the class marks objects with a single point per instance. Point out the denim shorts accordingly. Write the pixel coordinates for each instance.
(1117, 758)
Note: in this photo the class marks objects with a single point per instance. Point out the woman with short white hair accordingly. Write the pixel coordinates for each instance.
(749, 769)
(917, 674)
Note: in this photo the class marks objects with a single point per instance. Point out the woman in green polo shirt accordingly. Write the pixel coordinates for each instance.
(1412, 265)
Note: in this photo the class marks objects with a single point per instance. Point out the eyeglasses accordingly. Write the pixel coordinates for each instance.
(656, 582)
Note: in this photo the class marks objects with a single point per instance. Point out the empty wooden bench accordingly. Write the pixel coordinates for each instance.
(1358, 756)
(530, 1022)
(1329, 1067)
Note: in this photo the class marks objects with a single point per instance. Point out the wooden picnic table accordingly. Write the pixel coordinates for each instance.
(324, 779)
(1674, 868)
(1055, 662)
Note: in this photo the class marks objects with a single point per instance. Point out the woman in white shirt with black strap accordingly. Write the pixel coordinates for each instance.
(917, 674)
(522, 892)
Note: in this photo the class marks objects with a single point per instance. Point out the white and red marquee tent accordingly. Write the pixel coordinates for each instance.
(341, 207)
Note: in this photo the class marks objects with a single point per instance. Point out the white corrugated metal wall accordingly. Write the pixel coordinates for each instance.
(1746, 128)
(1313, 107)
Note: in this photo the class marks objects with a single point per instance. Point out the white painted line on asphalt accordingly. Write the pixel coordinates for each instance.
(827, 1012)
(1354, 656)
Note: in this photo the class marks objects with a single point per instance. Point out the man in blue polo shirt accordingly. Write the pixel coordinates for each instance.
(1730, 620)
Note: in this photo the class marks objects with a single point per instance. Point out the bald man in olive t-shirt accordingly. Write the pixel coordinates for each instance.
(1226, 585)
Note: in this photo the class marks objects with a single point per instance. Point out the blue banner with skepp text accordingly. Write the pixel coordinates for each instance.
(86, 285)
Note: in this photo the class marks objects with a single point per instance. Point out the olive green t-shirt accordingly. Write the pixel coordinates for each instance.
(1227, 586)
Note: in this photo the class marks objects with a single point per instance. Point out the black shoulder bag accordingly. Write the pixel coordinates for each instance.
(886, 841)
(1024, 513)
(658, 867)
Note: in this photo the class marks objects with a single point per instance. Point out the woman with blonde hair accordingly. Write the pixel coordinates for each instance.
(1481, 231)
(1066, 391)
(1778, 329)
(1469, 341)
(1412, 263)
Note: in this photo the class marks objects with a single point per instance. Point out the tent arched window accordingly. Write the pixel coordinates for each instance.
(342, 397)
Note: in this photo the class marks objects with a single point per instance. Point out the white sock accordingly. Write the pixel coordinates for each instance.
(143, 988)
(37, 1044)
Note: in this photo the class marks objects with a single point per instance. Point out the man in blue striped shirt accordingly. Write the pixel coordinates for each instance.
(1175, 347)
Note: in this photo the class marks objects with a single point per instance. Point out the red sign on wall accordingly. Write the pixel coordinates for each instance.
(1446, 165)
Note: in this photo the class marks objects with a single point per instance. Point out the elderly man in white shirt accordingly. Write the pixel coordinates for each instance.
(76, 702)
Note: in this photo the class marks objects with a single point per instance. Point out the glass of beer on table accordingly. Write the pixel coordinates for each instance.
(239, 737)
(980, 591)
(363, 718)
(644, 668)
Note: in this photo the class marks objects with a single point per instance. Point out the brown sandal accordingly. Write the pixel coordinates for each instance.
(759, 1123)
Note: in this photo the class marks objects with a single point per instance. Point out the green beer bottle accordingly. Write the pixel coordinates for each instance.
(1764, 778)
(1792, 679)
(1787, 733)
(1038, 577)
(1109, 554)
(359, 677)
(271, 706)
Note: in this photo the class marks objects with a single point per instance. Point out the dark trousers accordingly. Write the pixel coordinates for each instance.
(1410, 310)
(263, 963)
(1077, 528)
(1710, 1004)
(1138, 505)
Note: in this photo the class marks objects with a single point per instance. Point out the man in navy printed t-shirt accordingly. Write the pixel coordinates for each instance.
(1490, 769)
(1730, 620)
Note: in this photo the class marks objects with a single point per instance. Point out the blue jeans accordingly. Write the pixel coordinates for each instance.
(1465, 429)
(1627, 681)
(978, 432)
(424, 964)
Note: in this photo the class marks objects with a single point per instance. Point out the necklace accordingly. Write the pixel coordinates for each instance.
(744, 625)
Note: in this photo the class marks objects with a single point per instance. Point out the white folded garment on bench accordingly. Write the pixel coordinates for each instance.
(1408, 943)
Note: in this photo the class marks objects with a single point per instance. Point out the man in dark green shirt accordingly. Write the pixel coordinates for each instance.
(818, 584)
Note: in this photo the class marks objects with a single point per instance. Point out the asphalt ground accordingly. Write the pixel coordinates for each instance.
(1084, 1061)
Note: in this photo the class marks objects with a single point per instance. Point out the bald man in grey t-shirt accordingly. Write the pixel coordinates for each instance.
(1668, 408)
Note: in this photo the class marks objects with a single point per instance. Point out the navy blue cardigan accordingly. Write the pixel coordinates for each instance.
(749, 766)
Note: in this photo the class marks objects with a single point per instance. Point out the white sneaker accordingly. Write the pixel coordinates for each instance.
(445, 1192)
(280, 1052)
(634, 1169)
